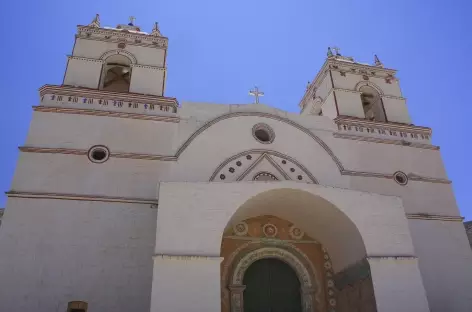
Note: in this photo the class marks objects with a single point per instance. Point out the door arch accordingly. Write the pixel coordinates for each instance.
(271, 286)
(237, 285)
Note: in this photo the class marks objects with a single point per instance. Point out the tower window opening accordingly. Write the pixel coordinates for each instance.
(372, 104)
(116, 74)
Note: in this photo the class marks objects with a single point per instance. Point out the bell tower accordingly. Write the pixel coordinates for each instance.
(121, 59)
(346, 88)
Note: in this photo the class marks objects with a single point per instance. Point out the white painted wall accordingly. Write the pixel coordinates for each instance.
(83, 73)
(147, 81)
(57, 251)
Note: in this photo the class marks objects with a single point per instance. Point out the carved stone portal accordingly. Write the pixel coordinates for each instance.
(236, 287)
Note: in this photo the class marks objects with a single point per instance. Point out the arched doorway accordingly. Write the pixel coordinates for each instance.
(271, 286)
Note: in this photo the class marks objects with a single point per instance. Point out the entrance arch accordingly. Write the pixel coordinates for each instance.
(199, 225)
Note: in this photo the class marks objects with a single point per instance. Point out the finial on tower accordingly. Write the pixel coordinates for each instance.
(377, 61)
(330, 53)
(155, 30)
(96, 21)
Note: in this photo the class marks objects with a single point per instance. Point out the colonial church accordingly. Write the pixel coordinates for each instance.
(124, 199)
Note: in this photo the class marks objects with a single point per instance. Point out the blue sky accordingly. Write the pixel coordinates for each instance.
(220, 49)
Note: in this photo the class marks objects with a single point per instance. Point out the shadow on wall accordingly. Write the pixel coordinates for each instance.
(468, 229)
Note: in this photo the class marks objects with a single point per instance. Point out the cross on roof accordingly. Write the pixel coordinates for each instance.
(132, 19)
(256, 93)
(336, 50)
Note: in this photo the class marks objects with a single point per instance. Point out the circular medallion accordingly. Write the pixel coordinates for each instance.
(241, 228)
(269, 230)
(295, 232)
(121, 45)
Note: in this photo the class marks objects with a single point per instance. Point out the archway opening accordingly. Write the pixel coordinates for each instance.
(116, 75)
(271, 286)
(322, 245)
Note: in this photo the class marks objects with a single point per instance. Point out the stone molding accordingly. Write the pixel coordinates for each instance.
(129, 55)
(81, 197)
(158, 41)
(87, 59)
(394, 126)
(274, 240)
(104, 113)
(65, 90)
(69, 151)
(186, 257)
(426, 216)
(149, 67)
(384, 141)
(411, 176)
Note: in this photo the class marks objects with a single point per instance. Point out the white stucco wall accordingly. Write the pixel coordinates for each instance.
(83, 73)
(56, 251)
(147, 81)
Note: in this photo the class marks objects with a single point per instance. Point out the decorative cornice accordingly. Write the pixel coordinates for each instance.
(87, 31)
(391, 257)
(136, 42)
(81, 197)
(384, 141)
(273, 240)
(103, 113)
(87, 59)
(426, 216)
(187, 257)
(123, 96)
(354, 121)
(70, 151)
(148, 67)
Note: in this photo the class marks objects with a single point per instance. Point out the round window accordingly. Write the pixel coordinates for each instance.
(263, 133)
(400, 177)
(98, 154)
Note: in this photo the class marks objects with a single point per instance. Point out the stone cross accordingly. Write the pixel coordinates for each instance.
(132, 19)
(256, 93)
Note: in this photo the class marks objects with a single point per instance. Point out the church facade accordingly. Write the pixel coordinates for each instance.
(127, 200)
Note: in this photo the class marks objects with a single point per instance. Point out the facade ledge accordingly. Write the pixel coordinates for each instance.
(383, 132)
(82, 197)
(107, 95)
